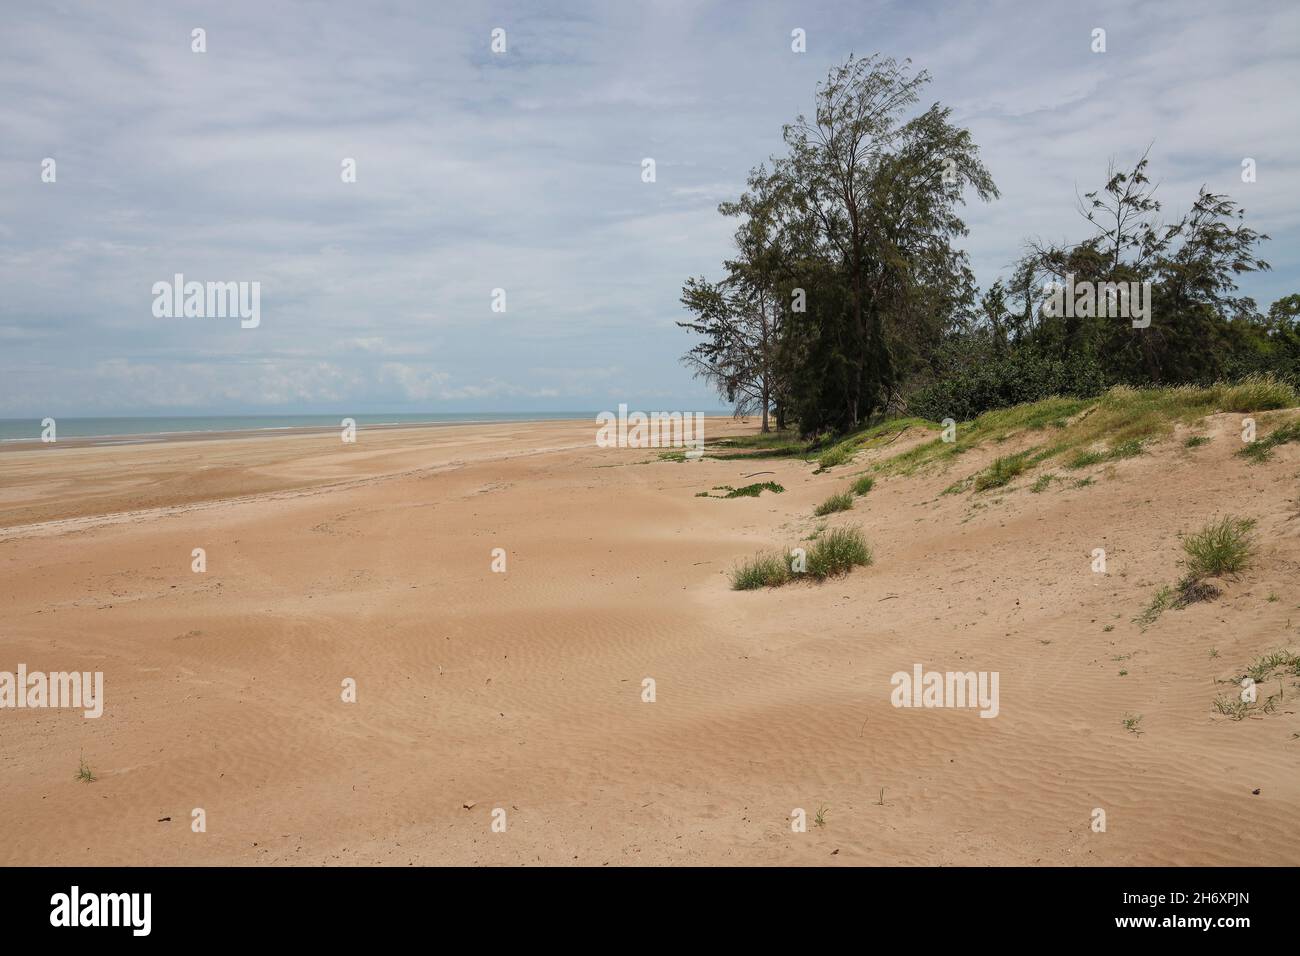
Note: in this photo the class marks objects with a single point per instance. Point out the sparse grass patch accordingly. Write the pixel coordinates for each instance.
(1233, 708)
(1269, 664)
(958, 487)
(831, 554)
(1133, 724)
(1001, 472)
(1196, 441)
(760, 571)
(862, 485)
(840, 502)
(1261, 449)
(1042, 483)
(1163, 598)
(838, 552)
(749, 491)
(84, 773)
(1125, 449)
(835, 455)
(1220, 549)
(1123, 418)
(1083, 459)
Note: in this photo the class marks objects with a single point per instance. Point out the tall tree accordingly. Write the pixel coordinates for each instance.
(883, 192)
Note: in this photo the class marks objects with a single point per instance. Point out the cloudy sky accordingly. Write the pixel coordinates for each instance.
(522, 171)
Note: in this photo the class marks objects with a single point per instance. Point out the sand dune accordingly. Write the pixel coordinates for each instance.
(522, 690)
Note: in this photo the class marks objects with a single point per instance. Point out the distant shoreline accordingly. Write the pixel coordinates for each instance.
(266, 431)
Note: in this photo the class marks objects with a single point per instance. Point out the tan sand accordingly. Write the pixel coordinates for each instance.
(522, 691)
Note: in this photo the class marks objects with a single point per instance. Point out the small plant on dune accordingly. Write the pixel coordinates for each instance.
(820, 818)
(1042, 483)
(957, 487)
(1000, 472)
(1267, 666)
(1196, 441)
(835, 455)
(1083, 459)
(838, 552)
(760, 571)
(1220, 549)
(1261, 449)
(749, 491)
(862, 485)
(840, 502)
(1125, 449)
(1164, 597)
(831, 554)
(84, 773)
(1133, 724)
(1233, 708)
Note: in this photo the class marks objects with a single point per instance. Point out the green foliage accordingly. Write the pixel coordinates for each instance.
(1221, 548)
(862, 485)
(748, 491)
(838, 552)
(839, 502)
(833, 553)
(1262, 448)
(1000, 472)
(760, 571)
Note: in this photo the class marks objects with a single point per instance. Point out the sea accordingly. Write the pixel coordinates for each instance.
(128, 428)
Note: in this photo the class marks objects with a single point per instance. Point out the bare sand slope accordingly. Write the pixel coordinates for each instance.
(522, 691)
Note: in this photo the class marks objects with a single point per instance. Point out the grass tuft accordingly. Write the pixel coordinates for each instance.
(760, 571)
(1221, 548)
(1001, 472)
(838, 552)
(862, 485)
(841, 502)
(1262, 448)
(84, 773)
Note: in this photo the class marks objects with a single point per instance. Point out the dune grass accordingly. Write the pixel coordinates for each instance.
(84, 773)
(838, 552)
(862, 485)
(1042, 482)
(1114, 426)
(833, 553)
(1261, 449)
(1221, 549)
(1001, 471)
(839, 502)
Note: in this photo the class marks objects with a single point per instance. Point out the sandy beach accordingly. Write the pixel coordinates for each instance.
(479, 691)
